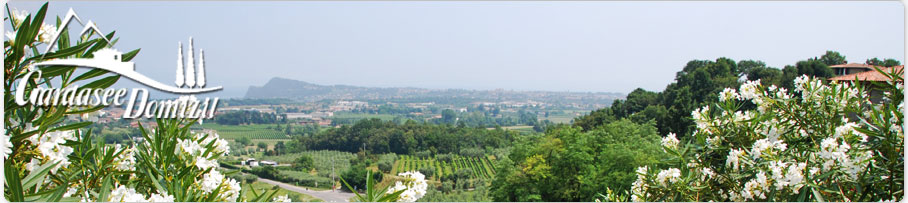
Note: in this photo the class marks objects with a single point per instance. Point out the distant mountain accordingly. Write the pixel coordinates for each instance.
(294, 89)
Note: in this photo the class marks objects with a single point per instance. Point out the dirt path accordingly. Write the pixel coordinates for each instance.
(326, 195)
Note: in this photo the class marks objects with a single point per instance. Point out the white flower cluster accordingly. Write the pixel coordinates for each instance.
(668, 176)
(45, 33)
(6, 146)
(729, 94)
(52, 150)
(670, 141)
(761, 161)
(126, 161)
(761, 148)
(229, 188)
(125, 194)
(414, 186)
(282, 198)
(195, 149)
(841, 156)
(639, 187)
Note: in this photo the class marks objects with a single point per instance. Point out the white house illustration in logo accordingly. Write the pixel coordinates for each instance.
(110, 59)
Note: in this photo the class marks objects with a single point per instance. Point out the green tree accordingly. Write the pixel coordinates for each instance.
(885, 63)
(567, 164)
(303, 163)
(448, 116)
(832, 58)
(813, 68)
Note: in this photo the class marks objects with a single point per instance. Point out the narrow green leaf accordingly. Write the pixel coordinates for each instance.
(90, 74)
(131, 54)
(12, 182)
(66, 52)
(86, 110)
(103, 82)
(105, 190)
(37, 175)
(71, 126)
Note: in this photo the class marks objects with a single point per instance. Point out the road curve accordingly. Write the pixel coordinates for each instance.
(325, 195)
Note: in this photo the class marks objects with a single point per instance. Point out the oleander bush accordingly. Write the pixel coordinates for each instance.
(47, 157)
(823, 141)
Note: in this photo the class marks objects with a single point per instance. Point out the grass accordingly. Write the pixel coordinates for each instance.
(294, 196)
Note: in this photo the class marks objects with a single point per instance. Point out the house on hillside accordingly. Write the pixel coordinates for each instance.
(867, 77)
(850, 68)
(250, 162)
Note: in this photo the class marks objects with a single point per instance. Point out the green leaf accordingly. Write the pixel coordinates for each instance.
(12, 182)
(71, 126)
(66, 52)
(817, 194)
(54, 71)
(90, 74)
(131, 54)
(37, 175)
(86, 110)
(103, 82)
(105, 190)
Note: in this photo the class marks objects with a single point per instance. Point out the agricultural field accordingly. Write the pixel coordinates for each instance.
(564, 116)
(523, 129)
(358, 116)
(481, 167)
(257, 131)
(323, 159)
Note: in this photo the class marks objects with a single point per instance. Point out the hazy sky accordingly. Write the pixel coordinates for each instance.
(558, 46)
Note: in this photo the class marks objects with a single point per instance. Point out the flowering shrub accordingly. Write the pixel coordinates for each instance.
(47, 158)
(412, 188)
(819, 142)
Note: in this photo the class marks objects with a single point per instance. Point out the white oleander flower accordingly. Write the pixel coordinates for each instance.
(668, 176)
(670, 141)
(126, 161)
(163, 197)
(211, 181)
(756, 188)
(414, 186)
(762, 145)
(205, 163)
(800, 81)
(10, 36)
(282, 198)
(750, 89)
(124, 194)
(713, 142)
(46, 33)
(733, 159)
(189, 147)
(231, 190)
(729, 94)
(71, 191)
(18, 16)
(51, 146)
(6, 146)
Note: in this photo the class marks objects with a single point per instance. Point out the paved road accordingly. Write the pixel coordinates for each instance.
(325, 195)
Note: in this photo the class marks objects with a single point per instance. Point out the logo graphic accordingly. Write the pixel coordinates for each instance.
(111, 60)
(190, 80)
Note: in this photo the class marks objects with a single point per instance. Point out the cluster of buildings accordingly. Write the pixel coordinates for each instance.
(255, 163)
